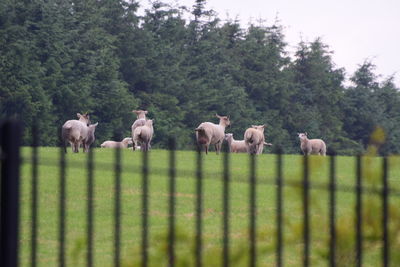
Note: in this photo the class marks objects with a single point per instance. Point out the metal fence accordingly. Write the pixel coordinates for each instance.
(10, 164)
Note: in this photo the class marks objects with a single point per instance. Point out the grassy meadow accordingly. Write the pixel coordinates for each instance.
(131, 193)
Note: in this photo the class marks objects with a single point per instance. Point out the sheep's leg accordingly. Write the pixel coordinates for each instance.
(206, 149)
(217, 148)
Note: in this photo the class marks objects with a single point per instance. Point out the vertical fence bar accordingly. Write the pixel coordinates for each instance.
(90, 185)
(62, 207)
(279, 210)
(225, 208)
(332, 211)
(34, 194)
(172, 190)
(253, 210)
(117, 207)
(385, 214)
(306, 219)
(199, 210)
(9, 212)
(145, 209)
(358, 212)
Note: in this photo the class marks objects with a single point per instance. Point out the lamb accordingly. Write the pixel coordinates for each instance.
(113, 144)
(235, 146)
(210, 133)
(254, 139)
(142, 135)
(75, 131)
(90, 137)
(311, 146)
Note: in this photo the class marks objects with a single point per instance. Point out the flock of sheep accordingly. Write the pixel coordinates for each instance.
(81, 133)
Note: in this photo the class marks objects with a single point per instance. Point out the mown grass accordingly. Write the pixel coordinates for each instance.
(131, 208)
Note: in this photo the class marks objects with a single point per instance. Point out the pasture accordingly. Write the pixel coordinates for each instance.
(131, 208)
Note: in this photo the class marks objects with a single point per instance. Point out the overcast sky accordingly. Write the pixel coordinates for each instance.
(355, 30)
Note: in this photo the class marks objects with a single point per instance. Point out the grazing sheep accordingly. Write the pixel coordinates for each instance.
(113, 144)
(75, 131)
(90, 137)
(142, 135)
(254, 139)
(210, 133)
(311, 146)
(235, 146)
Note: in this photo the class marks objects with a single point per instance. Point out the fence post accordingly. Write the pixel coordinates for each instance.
(10, 160)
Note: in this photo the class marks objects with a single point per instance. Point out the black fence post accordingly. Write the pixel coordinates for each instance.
(90, 198)
(199, 210)
(385, 213)
(306, 213)
(225, 208)
(145, 208)
(279, 210)
(172, 191)
(253, 210)
(34, 192)
(10, 161)
(332, 211)
(358, 211)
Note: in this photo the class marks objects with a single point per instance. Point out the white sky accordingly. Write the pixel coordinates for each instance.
(354, 29)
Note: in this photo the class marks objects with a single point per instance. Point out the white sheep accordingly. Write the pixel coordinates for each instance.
(90, 137)
(142, 135)
(114, 144)
(235, 146)
(311, 146)
(140, 119)
(254, 139)
(75, 131)
(210, 133)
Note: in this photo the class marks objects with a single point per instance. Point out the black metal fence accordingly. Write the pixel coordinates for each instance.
(10, 164)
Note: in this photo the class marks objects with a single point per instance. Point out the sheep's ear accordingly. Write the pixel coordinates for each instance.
(79, 115)
(218, 116)
(145, 112)
(95, 124)
(264, 125)
(253, 126)
(306, 133)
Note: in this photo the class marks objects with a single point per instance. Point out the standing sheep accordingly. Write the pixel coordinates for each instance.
(311, 146)
(90, 137)
(235, 146)
(140, 121)
(254, 139)
(142, 135)
(210, 133)
(113, 144)
(75, 131)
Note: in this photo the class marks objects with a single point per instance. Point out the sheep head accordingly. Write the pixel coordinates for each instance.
(141, 114)
(223, 120)
(85, 118)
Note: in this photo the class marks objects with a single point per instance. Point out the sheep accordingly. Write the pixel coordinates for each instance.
(142, 135)
(75, 131)
(210, 133)
(235, 146)
(113, 144)
(90, 137)
(254, 139)
(140, 121)
(311, 146)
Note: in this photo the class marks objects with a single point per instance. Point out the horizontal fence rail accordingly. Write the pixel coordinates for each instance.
(10, 163)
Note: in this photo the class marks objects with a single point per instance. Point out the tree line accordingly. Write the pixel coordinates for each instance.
(183, 65)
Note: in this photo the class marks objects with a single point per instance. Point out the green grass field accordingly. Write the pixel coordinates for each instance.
(131, 204)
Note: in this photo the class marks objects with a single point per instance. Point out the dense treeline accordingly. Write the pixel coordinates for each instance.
(182, 64)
